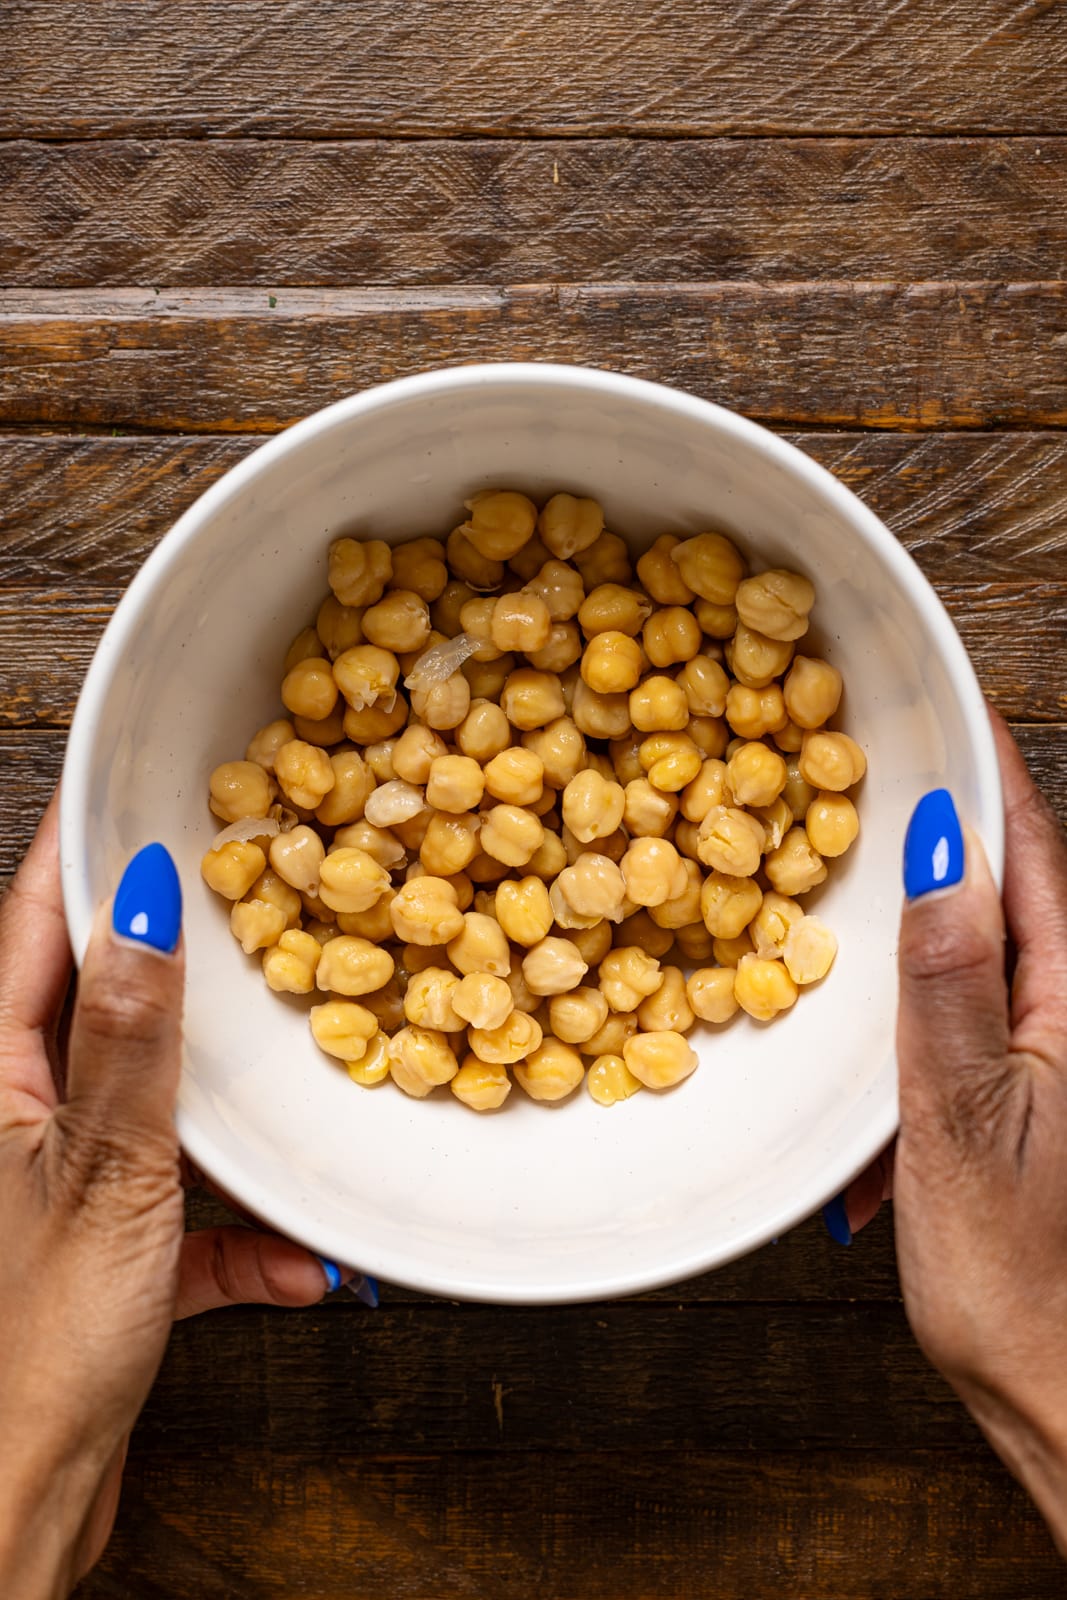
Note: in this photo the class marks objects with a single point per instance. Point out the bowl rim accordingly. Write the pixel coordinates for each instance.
(244, 1185)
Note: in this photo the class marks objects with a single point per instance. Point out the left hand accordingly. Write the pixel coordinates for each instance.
(94, 1264)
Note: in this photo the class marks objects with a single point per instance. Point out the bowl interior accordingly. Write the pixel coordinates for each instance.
(532, 1203)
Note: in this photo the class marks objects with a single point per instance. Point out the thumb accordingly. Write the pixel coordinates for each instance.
(232, 1266)
(952, 1021)
(125, 1043)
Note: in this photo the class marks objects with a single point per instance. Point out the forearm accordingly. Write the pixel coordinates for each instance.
(1034, 1448)
(44, 1509)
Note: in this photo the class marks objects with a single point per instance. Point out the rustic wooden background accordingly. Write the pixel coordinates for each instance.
(847, 218)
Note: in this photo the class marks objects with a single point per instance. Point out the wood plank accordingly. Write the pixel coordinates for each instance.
(322, 68)
(891, 1526)
(873, 355)
(31, 759)
(972, 509)
(380, 211)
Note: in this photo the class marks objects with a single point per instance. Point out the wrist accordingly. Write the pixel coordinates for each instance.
(1032, 1443)
(43, 1511)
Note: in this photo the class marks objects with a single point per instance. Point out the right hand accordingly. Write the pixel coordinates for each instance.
(980, 1185)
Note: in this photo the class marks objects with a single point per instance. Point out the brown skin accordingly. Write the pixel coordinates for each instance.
(980, 1183)
(95, 1266)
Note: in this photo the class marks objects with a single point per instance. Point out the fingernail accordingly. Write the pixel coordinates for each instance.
(148, 901)
(933, 846)
(365, 1291)
(333, 1273)
(835, 1217)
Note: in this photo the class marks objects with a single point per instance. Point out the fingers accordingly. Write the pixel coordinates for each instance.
(234, 1266)
(1035, 900)
(952, 1020)
(125, 1045)
(35, 962)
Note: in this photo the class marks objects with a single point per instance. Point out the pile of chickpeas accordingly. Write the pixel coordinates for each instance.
(541, 852)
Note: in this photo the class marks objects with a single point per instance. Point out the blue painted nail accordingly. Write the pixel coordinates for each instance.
(933, 846)
(148, 901)
(835, 1217)
(365, 1291)
(333, 1273)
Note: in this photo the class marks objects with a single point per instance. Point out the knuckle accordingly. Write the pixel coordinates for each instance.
(133, 1013)
(933, 948)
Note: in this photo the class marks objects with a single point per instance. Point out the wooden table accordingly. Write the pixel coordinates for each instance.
(847, 218)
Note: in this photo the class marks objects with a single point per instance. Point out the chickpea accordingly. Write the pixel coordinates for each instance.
(307, 643)
(297, 856)
(523, 910)
(240, 789)
(561, 650)
(671, 635)
(480, 572)
(624, 758)
(455, 783)
(443, 705)
(500, 523)
(531, 699)
(484, 731)
(798, 792)
(419, 565)
(593, 886)
(718, 622)
(417, 957)
(483, 1000)
(668, 1010)
(522, 996)
(343, 1029)
(756, 775)
(682, 909)
(373, 723)
(832, 823)
(658, 704)
(809, 950)
(399, 622)
(359, 570)
(592, 806)
(480, 946)
(610, 1039)
(593, 943)
(647, 811)
(710, 735)
(601, 716)
(486, 679)
(393, 803)
(706, 792)
(324, 731)
(551, 1072)
(289, 966)
(366, 675)
(606, 560)
(812, 692)
(353, 966)
(515, 1038)
(639, 929)
(233, 868)
(660, 1059)
(789, 739)
(561, 589)
(553, 966)
(429, 1000)
(612, 663)
(414, 753)
(379, 843)
(775, 603)
(426, 912)
(671, 760)
(711, 993)
(527, 562)
(661, 575)
(338, 627)
(481, 1085)
(568, 525)
(483, 868)
(711, 566)
(516, 776)
(373, 1066)
(576, 1016)
(755, 660)
(795, 867)
(613, 608)
(256, 924)
(728, 904)
(561, 749)
(831, 761)
(274, 891)
(420, 1059)
(627, 976)
(771, 924)
(308, 688)
(752, 713)
(652, 872)
(705, 686)
(449, 844)
(763, 988)
(379, 758)
(694, 943)
(265, 744)
(687, 839)
(445, 610)
(728, 952)
(610, 1080)
(375, 924)
(511, 834)
(520, 622)
(548, 861)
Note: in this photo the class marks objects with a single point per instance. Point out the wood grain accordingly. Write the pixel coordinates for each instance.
(31, 759)
(703, 1525)
(323, 68)
(282, 212)
(872, 355)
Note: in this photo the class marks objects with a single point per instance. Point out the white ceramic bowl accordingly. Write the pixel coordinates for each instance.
(534, 1204)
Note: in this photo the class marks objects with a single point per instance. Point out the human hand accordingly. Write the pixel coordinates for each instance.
(94, 1266)
(980, 1182)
